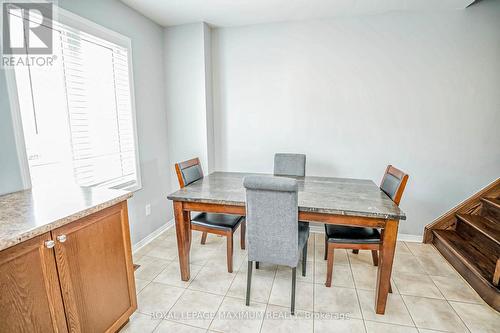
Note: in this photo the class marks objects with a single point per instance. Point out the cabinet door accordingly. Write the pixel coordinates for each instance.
(30, 297)
(95, 267)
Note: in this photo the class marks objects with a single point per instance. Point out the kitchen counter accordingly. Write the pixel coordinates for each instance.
(27, 214)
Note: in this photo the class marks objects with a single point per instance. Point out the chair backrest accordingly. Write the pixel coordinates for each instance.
(393, 183)
(188, 171)
(290, 164)
(272, 219)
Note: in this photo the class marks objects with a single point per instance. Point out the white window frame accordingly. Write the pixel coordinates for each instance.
(77, 22)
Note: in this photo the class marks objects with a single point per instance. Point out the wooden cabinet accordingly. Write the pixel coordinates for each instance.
(96, 271)
(89, 270)
(30, 297)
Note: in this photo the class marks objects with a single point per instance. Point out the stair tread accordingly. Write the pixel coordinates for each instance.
(468, 253)
(489, 228)
(492, 201)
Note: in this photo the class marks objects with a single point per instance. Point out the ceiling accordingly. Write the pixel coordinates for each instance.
(224, 13)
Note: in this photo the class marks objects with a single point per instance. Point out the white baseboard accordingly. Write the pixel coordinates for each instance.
(401, 237)
(411, 238)
(149, 238)
(318, 229)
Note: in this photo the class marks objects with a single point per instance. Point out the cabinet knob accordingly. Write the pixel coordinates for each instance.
(61, 238)
(50, 244)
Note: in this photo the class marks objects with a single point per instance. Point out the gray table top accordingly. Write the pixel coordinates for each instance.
(342, 196)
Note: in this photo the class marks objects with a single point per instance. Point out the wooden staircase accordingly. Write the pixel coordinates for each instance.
(468, 236)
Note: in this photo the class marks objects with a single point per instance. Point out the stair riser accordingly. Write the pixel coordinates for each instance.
(487, 245)
(490, 210)
(490, 294)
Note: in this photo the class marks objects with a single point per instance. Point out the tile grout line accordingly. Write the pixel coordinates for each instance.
(268, 298)
(184, 287)
(168, 311)
(176, 322)
(403, 299)
(468, 286)
(444, 297)
(458, 315)
(409, 313)
(227, 291)
(225, 295)
(314, 280)
(190, 282)
(314, 287)
(171, 261)
(447, 301)
(275, 277)
(393, 324)
(357, 293)
(431, 298)
(274, 280)
(400, 295)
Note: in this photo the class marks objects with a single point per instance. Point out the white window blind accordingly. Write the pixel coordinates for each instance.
(100, 117)
(96, 89)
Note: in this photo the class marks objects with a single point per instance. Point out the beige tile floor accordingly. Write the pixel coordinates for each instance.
(428, 295)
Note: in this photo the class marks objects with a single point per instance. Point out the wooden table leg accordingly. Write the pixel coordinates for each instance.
(183, 230)
(385, 265)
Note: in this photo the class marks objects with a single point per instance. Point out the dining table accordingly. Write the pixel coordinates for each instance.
(329, 200)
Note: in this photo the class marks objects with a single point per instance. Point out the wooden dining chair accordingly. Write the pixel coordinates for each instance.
(189, 172)
(359, 238)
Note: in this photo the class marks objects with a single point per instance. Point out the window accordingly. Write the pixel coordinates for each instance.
(78, 113)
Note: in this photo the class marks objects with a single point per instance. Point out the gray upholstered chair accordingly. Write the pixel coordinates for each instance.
(289, 165)
(274, 234)
(220, 224)
(356, 238)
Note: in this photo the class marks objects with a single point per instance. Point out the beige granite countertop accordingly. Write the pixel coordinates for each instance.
(27, 214)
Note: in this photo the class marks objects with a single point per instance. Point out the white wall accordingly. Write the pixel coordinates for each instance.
(188, 95)
(10, 172)
(207, 34)
(420, 91)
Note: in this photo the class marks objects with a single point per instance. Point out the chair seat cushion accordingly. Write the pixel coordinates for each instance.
(352, 235)
(217, 221)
